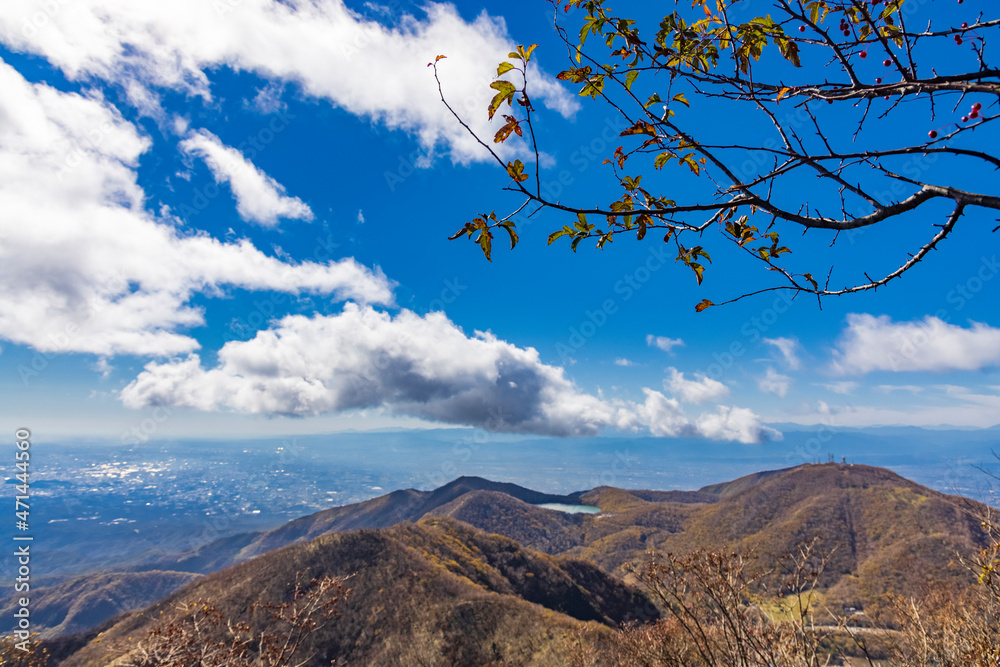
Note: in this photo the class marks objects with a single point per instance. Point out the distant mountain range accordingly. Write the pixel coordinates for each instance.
(536, 577)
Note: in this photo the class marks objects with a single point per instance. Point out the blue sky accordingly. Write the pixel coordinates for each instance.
(231, 219)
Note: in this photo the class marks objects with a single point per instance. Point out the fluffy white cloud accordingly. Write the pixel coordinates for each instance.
(331, 52)
(879, 344)
(788, 348)
(84, 267)
(699, 390)
(775, 383)
(663, 343)
(740, 424)
(259, 198)
(419, 366)
(624, 362)
(661, 415)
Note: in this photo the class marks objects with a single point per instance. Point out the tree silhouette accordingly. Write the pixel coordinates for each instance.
(834, 90)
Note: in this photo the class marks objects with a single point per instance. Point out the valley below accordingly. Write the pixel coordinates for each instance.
(476, 571)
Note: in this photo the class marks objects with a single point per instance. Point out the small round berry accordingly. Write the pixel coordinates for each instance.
(878, 80)
(863, 54)
(887, 62)
(932, 134)
(964, 26)
(973, 114)
(977, 106)
(965, 119)
(802, 28)
(886, 97)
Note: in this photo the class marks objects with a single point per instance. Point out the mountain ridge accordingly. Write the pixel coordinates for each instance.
(871, 519)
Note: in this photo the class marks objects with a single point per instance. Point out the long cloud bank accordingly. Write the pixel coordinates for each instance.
(420, 366)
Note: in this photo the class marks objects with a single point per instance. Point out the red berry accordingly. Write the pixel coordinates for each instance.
(878, 80)
(965, 119)
(886, 97)
(887, 62)
(802, 28)
(977, 106)
(973, 114)
(958, 40)
(932, 134)
(863, 54)
(964, 26)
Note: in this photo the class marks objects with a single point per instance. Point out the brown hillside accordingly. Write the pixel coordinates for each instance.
(882, 532)
(435, 593)
(78, 604)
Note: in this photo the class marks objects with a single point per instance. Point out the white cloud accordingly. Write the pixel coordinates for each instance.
(662, 416)
(84, 267)
(268, 99)
(699, 390)
(330, 52)
(788, 347)
(362, 358)
(889, 388)
(624, 362)
(103, 367)
(775, 383)
(739, 424)
(418, 366)
(259, 198)
(955, 408)
(879, 344)
(845, 387)
(664, 343)
(361, 216)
